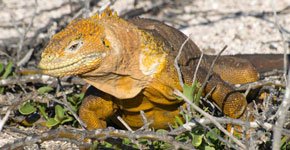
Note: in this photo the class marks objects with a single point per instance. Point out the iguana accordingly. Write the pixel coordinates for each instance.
(130, 65)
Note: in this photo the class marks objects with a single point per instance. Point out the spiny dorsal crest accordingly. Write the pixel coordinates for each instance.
(108, 12)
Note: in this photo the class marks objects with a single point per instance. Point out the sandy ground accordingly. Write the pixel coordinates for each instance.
(246, 26)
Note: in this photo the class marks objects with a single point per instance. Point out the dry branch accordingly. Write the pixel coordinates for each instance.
(204, 121)
(176, 65)
(281, 113)
(38, 78)
(211, 118)
(81, 135)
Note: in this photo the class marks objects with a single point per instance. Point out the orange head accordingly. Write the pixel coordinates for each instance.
(77, 49)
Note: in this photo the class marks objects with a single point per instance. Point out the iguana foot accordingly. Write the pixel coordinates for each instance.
(160, 117)
(95, 110)
(238, 130)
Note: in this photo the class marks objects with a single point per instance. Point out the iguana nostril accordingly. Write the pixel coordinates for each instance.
(48, 57)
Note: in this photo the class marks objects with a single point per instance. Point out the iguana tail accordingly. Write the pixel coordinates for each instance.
(266, 62)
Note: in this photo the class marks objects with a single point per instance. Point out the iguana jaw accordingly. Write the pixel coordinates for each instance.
(73, 66)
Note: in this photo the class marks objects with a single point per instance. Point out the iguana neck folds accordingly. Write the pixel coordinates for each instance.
(134, 59)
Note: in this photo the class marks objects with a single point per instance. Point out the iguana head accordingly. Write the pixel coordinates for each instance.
(77, 49)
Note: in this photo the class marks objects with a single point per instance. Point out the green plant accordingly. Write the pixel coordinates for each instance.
(5, 72)
(285, 143)
(60, 114)
(198, 136)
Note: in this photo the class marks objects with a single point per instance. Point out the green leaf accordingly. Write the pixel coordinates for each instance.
(74, 108)
(71, 100)
(212, 135)
(6, 73)
(188, 91)
(59, 113)
(197, 97)
(95, 144)
(80, 96)
(76, 99)
(126, 141)
(209, 148)
(51, 122)
(1, 68)
(42, 111)
(27, 108)
(162, 131)
(196, 139)
(198, 94)
(284, 143)
(178, 120)
(182, 137)
(67, 119)
(2, 90)
(8, 70)
(107, 144)
(44, 89)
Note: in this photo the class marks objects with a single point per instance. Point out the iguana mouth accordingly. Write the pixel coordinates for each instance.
(71, 67)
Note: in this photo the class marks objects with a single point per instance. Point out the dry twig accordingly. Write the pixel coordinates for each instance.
(282, 38)
(286, 100)
(5, 118)
(197, 67)
(211, 118)
(176, 65)
(124, 123)
(258, 84)
(26, 30)
(204, 121)
(209, 73)
(38, 78)
(81, 135)
(281, 113)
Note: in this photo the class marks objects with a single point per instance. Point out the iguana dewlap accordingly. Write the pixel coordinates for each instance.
(130, 63)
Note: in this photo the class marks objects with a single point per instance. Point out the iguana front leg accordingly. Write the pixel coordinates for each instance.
(161, 115)
(96, 109)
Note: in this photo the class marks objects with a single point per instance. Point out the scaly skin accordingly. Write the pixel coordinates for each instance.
(130, 65)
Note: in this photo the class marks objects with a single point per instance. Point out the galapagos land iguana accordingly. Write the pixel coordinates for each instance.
(130, 64)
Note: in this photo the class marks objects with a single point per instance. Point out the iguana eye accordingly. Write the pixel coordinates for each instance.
(106, 43)
(74, 45)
